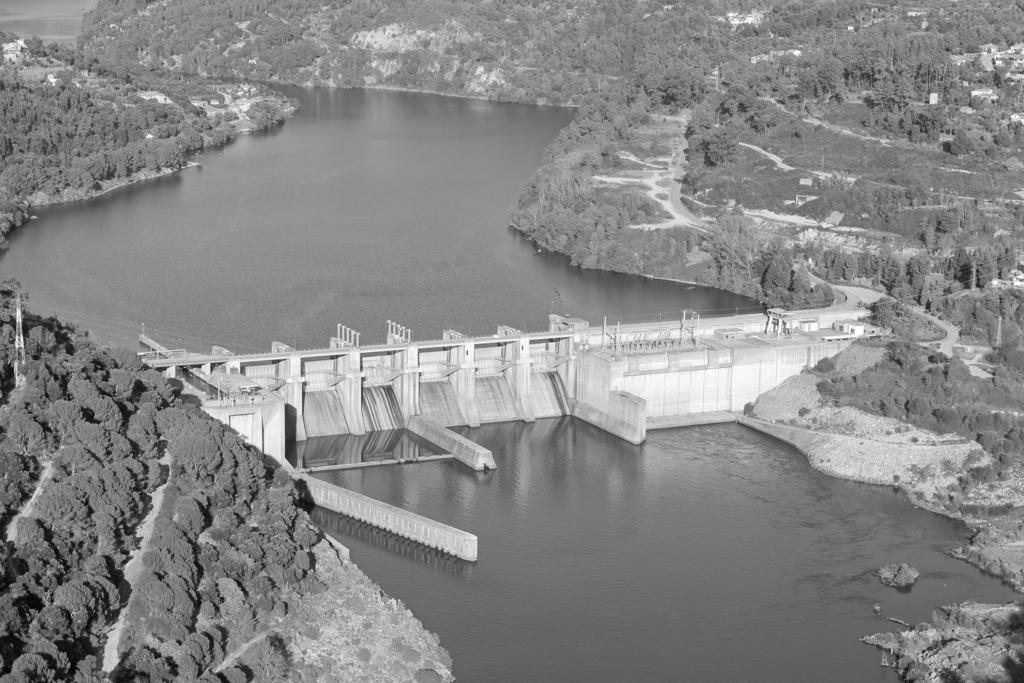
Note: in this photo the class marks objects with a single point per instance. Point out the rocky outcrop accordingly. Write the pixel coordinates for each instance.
(12, 215)
(898, 575)
(969, 642)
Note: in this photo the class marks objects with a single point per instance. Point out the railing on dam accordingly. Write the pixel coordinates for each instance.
(192, 358)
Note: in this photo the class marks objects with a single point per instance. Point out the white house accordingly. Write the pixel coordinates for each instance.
(985, 94)
(155, 96)
(14, 52)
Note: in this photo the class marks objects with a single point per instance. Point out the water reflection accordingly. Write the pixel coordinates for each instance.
(709, 553)
(280, 236)
(353, 449)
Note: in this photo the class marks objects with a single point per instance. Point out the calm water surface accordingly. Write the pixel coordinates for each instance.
(708, 554)
(366, 207)
(51, 20)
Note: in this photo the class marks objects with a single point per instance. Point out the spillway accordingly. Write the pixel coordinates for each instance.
(322, 413)
(380, 408)
(547, 395)
(494, 399)
(438, 403)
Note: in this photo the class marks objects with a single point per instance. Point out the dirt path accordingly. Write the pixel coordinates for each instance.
(851, 296)
(951, 330)
(132, 571)
(779, 163)
(885, 142)
(26, 509)
(659, 179)
(657, 184)
(239, 651)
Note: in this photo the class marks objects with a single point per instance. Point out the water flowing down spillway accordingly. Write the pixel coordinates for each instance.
(547, 395)
(322, 413)
(494, 399)
(438, 403)
(381, 410)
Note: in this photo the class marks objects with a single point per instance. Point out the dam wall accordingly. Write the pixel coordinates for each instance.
(260, 424)
(599, 402)
(714, 379)
(622, 378)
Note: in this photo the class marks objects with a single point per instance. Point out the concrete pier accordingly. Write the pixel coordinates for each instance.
(465, 451)
(401, 522)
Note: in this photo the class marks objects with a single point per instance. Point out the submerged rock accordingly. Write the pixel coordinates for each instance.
(900, 575)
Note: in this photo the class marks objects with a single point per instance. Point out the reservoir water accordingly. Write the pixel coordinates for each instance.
(708, 554)
(51, 20)
(366, 207)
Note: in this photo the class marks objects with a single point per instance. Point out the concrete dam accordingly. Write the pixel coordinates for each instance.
(623, 379)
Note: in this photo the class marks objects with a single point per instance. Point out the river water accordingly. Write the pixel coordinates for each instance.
(709, 553)
(51, 20)
(366, 207)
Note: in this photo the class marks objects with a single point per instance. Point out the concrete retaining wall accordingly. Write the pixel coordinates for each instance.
(600, 400)
(712, 380)
(260, 424)
(624, 416)
(804, 440)
(464, 450)
(393, 519)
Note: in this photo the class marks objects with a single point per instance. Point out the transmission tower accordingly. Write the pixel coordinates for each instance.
(19, 346)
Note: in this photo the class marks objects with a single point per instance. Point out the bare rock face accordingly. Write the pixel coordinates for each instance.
(900, 575)
(968, 642)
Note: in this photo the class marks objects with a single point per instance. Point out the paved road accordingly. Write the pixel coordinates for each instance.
(851, 296)
(951, 330)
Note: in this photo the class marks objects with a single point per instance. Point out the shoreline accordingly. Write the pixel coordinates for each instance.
(114, 185)
(976, 641)
(427, 91)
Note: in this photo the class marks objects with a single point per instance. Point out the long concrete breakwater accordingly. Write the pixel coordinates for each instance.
(377, 513)
(404, 523)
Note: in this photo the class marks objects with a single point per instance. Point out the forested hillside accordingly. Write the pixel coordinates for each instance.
(842, 131)
(88, 447)
(71, 127)
(552, 51)
(879, 144)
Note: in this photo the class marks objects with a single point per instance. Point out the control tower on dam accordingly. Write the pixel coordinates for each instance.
(621, 378)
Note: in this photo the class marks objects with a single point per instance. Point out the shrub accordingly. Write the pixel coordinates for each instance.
(825, 365)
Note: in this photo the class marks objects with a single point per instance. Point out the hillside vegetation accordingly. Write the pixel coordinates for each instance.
(87, 447)
(71, 128)
(551, 51)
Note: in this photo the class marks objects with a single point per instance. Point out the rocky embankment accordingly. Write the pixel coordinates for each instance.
(964, 642)
(355, 632)
(13, 214)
